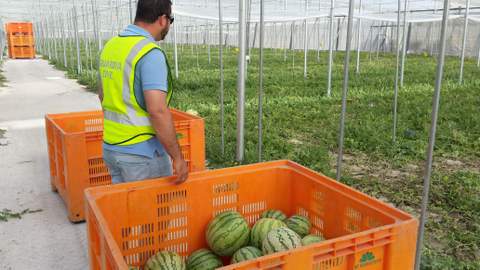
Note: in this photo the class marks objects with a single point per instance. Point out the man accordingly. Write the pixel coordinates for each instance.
(136, 86)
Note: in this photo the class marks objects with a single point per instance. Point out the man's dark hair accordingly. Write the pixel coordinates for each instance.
(148, 11)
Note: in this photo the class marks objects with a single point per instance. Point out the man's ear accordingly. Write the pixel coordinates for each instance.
(161, 21)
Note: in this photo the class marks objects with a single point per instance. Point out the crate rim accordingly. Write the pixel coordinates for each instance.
(53, 116)
(93, 193)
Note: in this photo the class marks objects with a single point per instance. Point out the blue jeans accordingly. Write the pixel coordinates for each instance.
(129, 168)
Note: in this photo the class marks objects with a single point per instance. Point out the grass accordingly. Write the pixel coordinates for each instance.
(301, 123)
(3, 80)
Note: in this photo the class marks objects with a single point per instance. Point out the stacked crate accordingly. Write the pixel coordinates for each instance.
(21, 43)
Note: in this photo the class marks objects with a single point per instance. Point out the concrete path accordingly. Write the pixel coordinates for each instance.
(47, 239)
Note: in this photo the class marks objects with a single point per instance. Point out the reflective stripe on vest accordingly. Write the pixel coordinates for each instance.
(126, 122)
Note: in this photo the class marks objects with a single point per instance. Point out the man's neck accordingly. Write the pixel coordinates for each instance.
(145, 26)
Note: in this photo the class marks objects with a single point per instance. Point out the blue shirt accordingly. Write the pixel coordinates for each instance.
(150, 75)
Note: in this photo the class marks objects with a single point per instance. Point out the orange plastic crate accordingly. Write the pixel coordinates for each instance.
(20, 40)
(75, 153)
(25, 52)
(130, 222)
(19, 27)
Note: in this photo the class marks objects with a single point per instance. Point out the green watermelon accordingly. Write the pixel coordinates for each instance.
(276, 214)
(165, 260)
(203, 259)
(299, 224)
(311, 239)
(245, 254)
(227, 233)
(281, 239)
(261, 228)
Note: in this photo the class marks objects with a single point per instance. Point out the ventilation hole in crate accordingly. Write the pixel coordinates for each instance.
(96, 166)
(178, 248)
(137, 230)
(317, 223)
(373, 223)
(225, 187)
(171, 209)
(353, 214)
(92, 125)
(329, 264)
(100, 180)
(352, 227)
(254, 207)
(136, 243)
(172, 223)
(219, 211)
(173, 235)
(319, 202)
(251, 219)
(172, 196)
(225, 199)
(302, 212)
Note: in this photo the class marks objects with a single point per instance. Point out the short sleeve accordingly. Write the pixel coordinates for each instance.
(153, 71)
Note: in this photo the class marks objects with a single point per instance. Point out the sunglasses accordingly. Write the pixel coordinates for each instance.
(170, 18)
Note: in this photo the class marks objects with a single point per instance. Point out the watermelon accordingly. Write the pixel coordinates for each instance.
(227, 233)
(281, 239)
(261, 228)
(203, 259)
(165, 260)
(276, 214)
(311, 239)
(299, 224)
(245, 254)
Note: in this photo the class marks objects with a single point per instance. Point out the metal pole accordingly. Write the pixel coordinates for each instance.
(285, 45)
(346, 68)
(478, 56)
(175, 49)
(84, 15)
(305, 42)
(77, 40)
(47, 39)
(404, 45)
(64, 44)
(260, 91)
(433, 129)
(464, 42)
(241, 81)
(330, 50)
(318, 40)
(359, 43)
(220, 59)
(54, 35)
(130, 10)
(207, 39)
(397, 73)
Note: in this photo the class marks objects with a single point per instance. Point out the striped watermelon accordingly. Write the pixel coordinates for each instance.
(281, 239)
(245, 254)
(165, 260)
(203, 259)
(261, 228)
(276, 214)
(227, 233)
(299, 224)
(311, 239)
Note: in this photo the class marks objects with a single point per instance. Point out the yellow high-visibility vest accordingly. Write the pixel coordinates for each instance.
(125, 121)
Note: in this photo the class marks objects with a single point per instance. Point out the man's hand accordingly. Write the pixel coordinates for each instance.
(181, 169)
(162, 122)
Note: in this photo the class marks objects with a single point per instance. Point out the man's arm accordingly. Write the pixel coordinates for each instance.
(162, 122)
